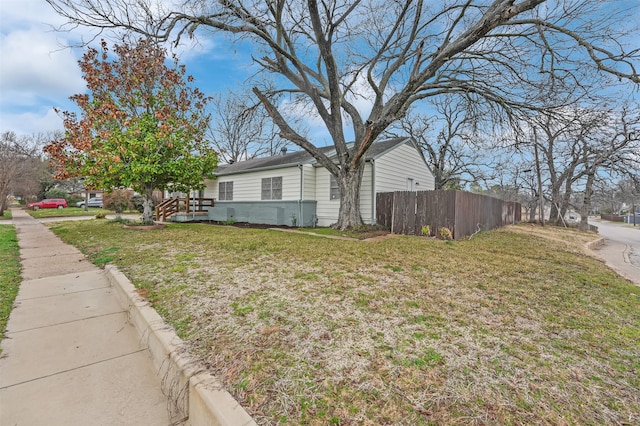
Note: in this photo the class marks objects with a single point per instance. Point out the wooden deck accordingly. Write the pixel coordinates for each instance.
(183, 207)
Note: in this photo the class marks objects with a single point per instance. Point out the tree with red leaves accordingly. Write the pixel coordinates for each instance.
(141, 125)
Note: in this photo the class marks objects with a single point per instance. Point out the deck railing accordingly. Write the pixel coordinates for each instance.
(171, 206)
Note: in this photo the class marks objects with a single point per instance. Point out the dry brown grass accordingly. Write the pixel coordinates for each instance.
(517, 326)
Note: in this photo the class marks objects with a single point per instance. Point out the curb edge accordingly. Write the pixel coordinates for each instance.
(196, 397)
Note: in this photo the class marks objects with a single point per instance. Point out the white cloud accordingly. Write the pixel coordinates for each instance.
(31, 122)
(36, 71)
(34, 66)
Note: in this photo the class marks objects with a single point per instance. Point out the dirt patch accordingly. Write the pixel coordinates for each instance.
(257, 225)
(364, 233)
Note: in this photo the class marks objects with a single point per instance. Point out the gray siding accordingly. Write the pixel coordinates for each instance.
(265, 212)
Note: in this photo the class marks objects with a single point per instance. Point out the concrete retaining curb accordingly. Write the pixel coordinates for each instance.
(197, 397)
(595, 244)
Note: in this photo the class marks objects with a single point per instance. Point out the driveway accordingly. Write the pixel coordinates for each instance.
(621, 250)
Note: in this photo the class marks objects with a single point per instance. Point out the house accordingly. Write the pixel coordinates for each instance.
(293, 189)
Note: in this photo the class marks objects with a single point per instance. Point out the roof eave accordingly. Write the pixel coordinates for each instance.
(259, 169)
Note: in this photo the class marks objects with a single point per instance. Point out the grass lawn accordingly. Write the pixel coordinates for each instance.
(9, 273)
(67, 212)
(6, 215)
(515, 326)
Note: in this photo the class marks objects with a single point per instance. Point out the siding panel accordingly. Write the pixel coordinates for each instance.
(394, 168)
(391, 173)
(327, 209)
(247, 186)
(309, 182)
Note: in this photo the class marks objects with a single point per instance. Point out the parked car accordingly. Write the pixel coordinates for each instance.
(93, 202)
(49, 203)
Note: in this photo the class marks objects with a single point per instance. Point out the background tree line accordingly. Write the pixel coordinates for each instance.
(503, 58)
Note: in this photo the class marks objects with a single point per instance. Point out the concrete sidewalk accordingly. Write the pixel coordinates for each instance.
(70, 356)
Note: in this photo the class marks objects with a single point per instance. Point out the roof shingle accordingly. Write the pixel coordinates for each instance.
(300, 157)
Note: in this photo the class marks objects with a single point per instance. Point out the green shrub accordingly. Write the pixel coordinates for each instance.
(57, 193)
(73, 199)
(446, 234)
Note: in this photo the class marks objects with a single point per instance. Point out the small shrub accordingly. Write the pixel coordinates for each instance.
(57, 193)
(138, 203)
(118, 200)
(446, 234)
(229, 222)
(426, 230)
(121, 220)
(73, 199)
(294, 220)
(100, 215)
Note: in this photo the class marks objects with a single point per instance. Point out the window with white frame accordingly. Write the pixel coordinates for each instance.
(272, 188)
(410, 185)
(334, 188)
(225, 191)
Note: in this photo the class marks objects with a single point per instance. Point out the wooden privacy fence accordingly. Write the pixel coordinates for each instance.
(612, 217)
(463, 213)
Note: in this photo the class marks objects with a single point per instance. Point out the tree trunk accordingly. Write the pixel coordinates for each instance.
(586, 203)
(147, 203)
(349, 181)
(4, 192)
(554, 215)
(532, 210)
(566, 199)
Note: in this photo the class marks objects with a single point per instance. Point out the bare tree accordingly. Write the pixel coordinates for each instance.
(606, 196)
(629, 192)
(19, 157)
(449, 137)
(556, 135)
(329, 53)
(240, 129)
(612, 144)
(578, 143)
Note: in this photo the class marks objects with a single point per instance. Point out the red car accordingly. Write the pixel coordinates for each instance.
(49, 203)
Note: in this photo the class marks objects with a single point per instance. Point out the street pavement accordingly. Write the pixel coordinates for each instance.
(70, 356)
(621, 250)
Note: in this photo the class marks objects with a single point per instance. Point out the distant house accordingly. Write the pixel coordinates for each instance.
(293, 189)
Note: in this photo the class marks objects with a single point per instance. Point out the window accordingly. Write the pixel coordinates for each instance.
(334, 188)
(272, 188)
(410, 186)
(225, 191)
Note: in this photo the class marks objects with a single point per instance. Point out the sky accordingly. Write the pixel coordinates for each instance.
(39, 72)
(36, 73)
